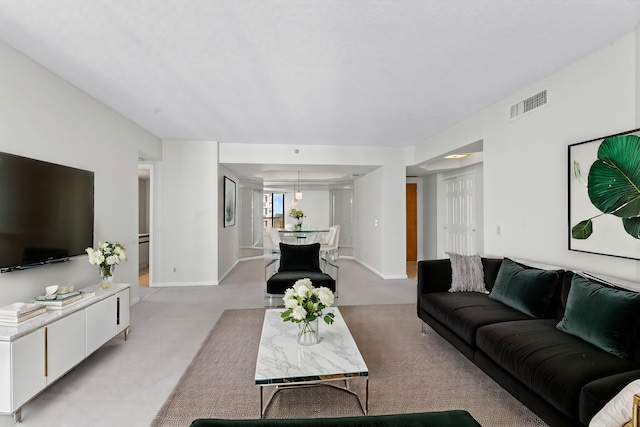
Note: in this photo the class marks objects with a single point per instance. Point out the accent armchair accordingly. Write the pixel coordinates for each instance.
(298, 262)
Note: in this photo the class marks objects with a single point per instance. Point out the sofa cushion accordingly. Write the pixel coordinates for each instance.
(467, 274)
(551, 363)
(465, 312)
(283, 280)
(528, 290)
(300, 257)
(604, 316)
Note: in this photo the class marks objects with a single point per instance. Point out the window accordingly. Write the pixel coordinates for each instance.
(273, 210)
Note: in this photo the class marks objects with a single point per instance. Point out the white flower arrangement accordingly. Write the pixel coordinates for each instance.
(304, 302)
(106, 256)
(296, 214)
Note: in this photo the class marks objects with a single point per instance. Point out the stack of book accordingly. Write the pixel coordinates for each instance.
(19, 312)
(60, 301)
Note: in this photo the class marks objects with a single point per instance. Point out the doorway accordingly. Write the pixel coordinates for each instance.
(145, 192)
(460, 214)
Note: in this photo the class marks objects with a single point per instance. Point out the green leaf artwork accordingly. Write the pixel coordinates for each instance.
(613, 184)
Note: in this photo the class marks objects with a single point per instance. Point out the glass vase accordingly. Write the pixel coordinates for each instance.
(308, 332)
(106, 277)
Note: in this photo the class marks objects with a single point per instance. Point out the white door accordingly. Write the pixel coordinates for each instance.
(460, 214)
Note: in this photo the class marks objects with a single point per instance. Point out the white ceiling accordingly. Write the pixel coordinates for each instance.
(339, 72)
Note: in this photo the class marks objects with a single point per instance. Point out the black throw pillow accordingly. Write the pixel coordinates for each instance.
(300, 257)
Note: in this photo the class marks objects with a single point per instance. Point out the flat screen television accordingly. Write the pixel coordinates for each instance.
(46, 212)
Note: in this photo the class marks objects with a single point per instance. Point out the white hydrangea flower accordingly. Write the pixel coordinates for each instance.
(290, 302)
(302, 291)
(325, 296)
(289, 293)
(303, 282)
(106, 255)
(299, 313)
(303, 300)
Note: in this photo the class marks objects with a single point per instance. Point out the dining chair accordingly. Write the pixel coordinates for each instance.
(329, 251)
(267, 244)
(275, 238)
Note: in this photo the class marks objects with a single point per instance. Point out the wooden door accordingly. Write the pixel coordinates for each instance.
(412, 221)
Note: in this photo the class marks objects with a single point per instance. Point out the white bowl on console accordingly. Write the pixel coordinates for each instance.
(50, 291)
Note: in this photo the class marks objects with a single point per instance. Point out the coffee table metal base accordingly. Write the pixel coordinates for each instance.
(323, 383)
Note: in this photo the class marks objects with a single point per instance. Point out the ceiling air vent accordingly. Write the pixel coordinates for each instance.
(531, 103)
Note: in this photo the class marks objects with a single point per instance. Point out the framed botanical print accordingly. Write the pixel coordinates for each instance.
(229, 213)
(604, 195)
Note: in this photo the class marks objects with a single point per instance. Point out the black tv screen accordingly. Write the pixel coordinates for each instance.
(46, 212)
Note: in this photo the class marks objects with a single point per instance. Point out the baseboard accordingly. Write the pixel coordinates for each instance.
(226, 273)
(183, 284)
(377, 273)
(395, 276)
(250, 258)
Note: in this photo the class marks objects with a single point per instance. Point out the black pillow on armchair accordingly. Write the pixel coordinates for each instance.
(299, 257)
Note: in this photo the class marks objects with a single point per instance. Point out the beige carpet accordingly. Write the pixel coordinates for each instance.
(408, 372)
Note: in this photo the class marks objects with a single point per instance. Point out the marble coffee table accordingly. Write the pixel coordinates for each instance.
(282, 362)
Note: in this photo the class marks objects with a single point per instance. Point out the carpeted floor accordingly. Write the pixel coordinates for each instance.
(408, 372)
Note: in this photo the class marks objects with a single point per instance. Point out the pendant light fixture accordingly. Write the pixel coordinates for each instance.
(299, 193)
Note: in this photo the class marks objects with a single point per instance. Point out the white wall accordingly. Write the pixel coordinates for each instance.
(525, 160)
(367, 213)
(229, 237)
(44, 117)
(379, 200)
(343, 215)
(246, 222)
(187, 216)
(429, 217)
(315, 205)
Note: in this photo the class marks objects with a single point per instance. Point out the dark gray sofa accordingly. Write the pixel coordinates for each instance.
(562, 378)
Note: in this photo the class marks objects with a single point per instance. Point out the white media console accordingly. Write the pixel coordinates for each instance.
(35, 354)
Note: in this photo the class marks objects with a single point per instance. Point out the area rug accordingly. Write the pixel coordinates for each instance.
(408, 372)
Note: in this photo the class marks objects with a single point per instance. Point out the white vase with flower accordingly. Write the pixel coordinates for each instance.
(106, 256)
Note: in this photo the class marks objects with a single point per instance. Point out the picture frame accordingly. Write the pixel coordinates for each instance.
(603, 197)
(229, 206)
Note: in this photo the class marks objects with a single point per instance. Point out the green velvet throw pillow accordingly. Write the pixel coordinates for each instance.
(526, 289)
(601, 315)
